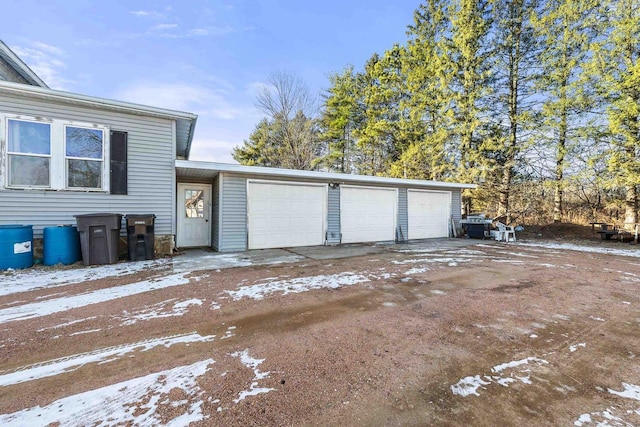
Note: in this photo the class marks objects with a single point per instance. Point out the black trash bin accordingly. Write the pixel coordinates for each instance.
(140, 236)
(99, 237)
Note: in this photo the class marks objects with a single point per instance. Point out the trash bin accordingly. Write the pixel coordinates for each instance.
(61, 245)
(140, 236)
(99, 237)
(16, 244)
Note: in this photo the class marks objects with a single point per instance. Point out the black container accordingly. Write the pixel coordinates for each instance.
(477, 230)
(140, 236)
(99, 237)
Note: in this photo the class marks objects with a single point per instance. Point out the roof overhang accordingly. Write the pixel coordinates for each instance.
(185, 122)
(197, 170)
(19, 66)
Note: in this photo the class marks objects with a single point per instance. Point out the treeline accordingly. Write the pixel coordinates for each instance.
(538, 102)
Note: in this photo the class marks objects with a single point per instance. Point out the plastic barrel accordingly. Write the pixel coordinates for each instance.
(61, 245)
(16, 246)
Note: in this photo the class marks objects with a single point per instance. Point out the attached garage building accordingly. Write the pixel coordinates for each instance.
(257, 208)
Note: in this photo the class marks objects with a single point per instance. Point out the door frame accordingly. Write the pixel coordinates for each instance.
(179, 208)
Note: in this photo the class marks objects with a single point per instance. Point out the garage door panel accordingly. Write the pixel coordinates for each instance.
(368, 214)
(284, 215)
(428, 214)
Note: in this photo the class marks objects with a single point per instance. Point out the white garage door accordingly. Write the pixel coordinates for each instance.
(283, 215)
(429, 213)
(368, 214)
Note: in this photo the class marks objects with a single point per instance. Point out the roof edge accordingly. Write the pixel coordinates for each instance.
(27, 72)
(293, 173)
(95, 101)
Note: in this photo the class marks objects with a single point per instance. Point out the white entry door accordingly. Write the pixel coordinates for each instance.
(368, 214)
(194, 214)
(429, 213)
(282, 214)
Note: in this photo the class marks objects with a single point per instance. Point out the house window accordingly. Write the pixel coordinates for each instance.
(84, 155)
(55, 154)
(29, 153)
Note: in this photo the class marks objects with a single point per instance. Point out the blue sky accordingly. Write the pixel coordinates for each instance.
(205, 57)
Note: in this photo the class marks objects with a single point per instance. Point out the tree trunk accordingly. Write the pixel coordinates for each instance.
(631, 205)
(561, 151)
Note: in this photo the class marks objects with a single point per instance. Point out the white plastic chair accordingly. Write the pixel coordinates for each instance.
(505, 232)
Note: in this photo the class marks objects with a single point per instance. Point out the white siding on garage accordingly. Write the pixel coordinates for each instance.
(150, 170)
(368, 214)
(285, 214)
(429, 213)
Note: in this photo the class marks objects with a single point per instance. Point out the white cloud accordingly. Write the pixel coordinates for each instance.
(46, 61)
(212, 150)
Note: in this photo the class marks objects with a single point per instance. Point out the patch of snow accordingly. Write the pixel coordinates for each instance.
(253, 364)
(73, 322)
(533, 336)
(44, 308)
(30, 280)
(445, 260)
(131, 402)
(597, 318)
(562, 317)
(438, 292)
(546, 265)
(417, 270)
(297, 285)
(468, 386)
(389, 304)
(158, 311)
(580, 248)
(626, 302)
(630, 391)
(71, 363)
(573, 348)
(606, 418)
(89, 331)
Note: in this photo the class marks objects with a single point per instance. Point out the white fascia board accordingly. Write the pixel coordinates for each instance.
(215, 167)
(92, 101)
(20, 66)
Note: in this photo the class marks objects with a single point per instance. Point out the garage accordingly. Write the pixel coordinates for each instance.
(285, 214)
(368, 214)
(428, 213)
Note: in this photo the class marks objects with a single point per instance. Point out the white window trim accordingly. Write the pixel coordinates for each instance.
(67, 158)
(58, 158)
(15, 153)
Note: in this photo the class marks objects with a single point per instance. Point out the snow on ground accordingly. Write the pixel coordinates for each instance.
(469, 385)
(44, 308)
(40, 278)
(203, 260)
(447, 260)
(133, 402)
(253, 364)
(417, 270)
(630, 391)
(71, 363)
(158, 311)
(631, 252)
(573, 348)
(297, 285)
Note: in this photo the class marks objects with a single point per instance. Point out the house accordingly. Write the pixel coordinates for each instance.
(64, 154)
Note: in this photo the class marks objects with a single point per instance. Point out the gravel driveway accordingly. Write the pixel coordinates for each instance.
(442, 332)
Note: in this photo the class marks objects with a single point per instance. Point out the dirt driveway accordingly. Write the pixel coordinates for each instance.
(447, 332)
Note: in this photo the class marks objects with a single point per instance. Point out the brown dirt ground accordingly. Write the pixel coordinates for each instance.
(382, 352)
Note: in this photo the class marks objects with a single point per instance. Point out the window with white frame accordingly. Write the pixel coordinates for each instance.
(56, 154)
(84, 157)
(29, 153)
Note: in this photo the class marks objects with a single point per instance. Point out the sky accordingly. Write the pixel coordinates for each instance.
(205, 57)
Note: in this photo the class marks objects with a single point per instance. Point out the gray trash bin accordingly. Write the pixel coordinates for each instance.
(99, 237)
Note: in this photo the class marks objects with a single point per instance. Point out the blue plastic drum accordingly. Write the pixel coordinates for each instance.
(61, 245)
(16, 246)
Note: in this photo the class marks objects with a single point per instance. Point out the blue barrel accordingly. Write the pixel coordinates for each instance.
(61, 245)
(16, 246)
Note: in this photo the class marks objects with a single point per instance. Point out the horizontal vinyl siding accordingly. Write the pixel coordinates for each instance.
(456, 207)
(233, 218)
(402, 234)
(215, 207)
(333, 216)
(150, 170)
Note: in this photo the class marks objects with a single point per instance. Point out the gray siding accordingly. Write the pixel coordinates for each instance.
(9, 74)
(333, 216)
(150, 170)
(456, 207)
(215, 214)
(402, 231)
(233, 213)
